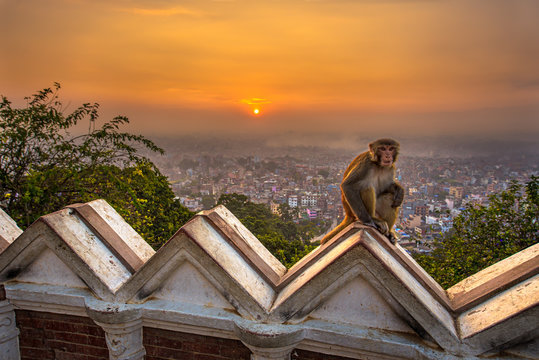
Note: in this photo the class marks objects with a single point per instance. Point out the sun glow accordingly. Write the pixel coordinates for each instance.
(256, 111)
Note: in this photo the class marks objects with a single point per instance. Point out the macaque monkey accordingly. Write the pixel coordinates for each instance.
(370, 192)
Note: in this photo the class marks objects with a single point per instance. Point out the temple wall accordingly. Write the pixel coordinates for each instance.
(81, 284)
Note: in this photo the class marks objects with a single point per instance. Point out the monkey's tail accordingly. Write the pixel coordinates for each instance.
(347, 221)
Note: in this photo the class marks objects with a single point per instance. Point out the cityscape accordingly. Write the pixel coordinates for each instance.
(307, 178)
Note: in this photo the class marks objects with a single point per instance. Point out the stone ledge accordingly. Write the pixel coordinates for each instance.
(9, 230)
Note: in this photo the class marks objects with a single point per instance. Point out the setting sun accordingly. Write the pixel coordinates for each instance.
(256, 111)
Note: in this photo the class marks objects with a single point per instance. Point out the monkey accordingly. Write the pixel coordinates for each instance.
(369, 190)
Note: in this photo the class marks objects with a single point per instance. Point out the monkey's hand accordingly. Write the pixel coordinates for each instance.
(382, 226)
(398, 195)
(376, 224)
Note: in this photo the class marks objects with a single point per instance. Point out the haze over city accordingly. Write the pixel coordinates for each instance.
(342, 68)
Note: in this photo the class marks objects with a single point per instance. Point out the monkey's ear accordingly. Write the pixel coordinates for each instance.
(372, 152)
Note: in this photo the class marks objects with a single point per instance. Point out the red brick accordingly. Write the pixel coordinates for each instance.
(28, 321)
(61, 355)
(30, 353)
(151, 350)
(235, 350)
(33, 342)
(90, 357)
(208, 357)
(92, 350)
(167, 353)
(62, 345)
(22, 313)
(41, 333)
(97, 341)
(150, 339)
(71, 337)
(201, 347)
(148, 331)
(170, 343)
(95, 331)
(29, 333)
(66, 326)
(157, 341)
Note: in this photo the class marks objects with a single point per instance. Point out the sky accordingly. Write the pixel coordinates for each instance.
(335, 67)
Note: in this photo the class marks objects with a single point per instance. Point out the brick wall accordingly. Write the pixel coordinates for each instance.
(47, 336)
(164, 344)
(309, 355)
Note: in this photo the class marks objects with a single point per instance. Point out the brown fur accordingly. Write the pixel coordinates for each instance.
(370, 192)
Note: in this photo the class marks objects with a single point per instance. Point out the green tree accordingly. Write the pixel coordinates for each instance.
(281, 238)
(208, 201)
(484, 235)
(324, 173)
(44, 168)
(288, 213)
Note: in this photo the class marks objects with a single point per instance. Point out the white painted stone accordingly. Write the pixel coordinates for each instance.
(528, 350)
(432, 283)
(250, 239)
(313, 270)
(281, 353)
(139, 246)
(48, 298)
(124, 341)
(9, 334)
(503, 306)
(189, 318)
(268, 341)
(358, 303)
(187, 284)
(430, 303)
(48, 269)
(9, 230)
(228, 258)
(494, 271)
(89, 248)
(123, 328)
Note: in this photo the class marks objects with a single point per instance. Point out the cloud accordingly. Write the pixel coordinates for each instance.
(255, 101)
(531, 83)
(172, 11)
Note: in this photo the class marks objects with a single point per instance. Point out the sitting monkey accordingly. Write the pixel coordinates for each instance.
(370, 192)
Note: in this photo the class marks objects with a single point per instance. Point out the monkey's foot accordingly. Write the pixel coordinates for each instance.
(392, 237)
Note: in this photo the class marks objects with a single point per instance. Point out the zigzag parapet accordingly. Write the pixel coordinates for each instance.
(357, 296)
(9, 230)
(90, 243)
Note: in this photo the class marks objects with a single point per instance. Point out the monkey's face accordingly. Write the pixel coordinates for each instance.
(386, 155)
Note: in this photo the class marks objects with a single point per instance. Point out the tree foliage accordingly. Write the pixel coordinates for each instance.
(484, 235)
(43, 167)
(286, 240)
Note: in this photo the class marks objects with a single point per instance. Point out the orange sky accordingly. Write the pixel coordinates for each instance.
(171, 66)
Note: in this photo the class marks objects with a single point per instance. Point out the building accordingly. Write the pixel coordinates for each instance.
(421, 210)
(274, 207)
(293, 201)
(309, 200)
(456, 191)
